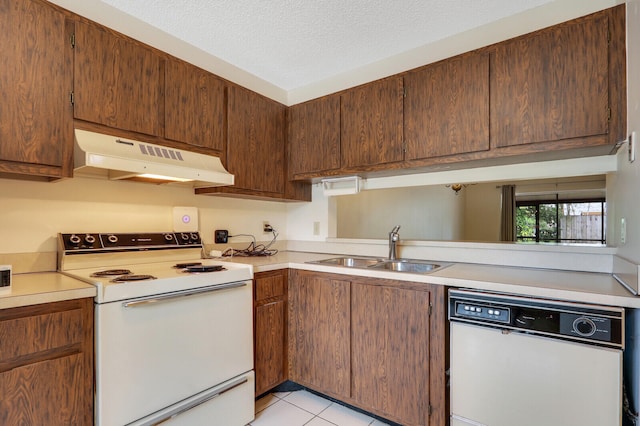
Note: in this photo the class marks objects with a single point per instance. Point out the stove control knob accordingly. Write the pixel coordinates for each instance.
(112, 238)
(185, 237)
(584, 326)
(194, 237)
(74, 239)
(168, 237)
(89, 239)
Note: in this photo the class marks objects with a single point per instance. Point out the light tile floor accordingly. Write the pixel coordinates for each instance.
(305, 408)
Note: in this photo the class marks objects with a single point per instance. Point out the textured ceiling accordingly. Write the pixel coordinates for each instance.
(295, 43)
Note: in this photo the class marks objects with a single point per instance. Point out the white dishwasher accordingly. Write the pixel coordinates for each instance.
(533, 362)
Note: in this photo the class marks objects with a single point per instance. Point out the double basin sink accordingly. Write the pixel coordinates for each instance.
(398, 265)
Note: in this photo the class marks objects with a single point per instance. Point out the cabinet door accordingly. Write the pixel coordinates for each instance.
(117, 81)
(36, 125)
(319, 333)
(255, 147)
(270, 348)
(391, 336)
(446, 108)
(46, 364)
(314, 136)
(270, 329)
(47, 393)
(194, 106)
(551, 85)
(371, 124)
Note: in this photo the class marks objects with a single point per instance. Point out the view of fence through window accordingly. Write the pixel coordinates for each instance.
(575, 221)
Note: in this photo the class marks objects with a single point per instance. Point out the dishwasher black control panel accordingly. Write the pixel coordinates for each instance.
(601, 325)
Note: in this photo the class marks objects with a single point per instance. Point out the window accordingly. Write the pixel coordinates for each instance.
(568, 221)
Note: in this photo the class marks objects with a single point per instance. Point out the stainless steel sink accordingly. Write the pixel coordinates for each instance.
(351, 262)
(404, 265)
(399, 265)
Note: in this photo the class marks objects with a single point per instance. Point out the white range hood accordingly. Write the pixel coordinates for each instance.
(101, 155)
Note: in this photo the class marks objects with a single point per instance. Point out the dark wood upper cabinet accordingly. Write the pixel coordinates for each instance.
(446, 108)
(256, 138)
(552, 85)
(194, 106)
(117, 81)
(371, 124)
(314, 136)
(36, 122)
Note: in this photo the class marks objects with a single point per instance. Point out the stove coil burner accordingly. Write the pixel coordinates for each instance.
(126, 278)
(203, 268)
(111, 272)
(186, 265)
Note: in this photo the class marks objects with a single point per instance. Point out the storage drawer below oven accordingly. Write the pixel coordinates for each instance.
(228, 404)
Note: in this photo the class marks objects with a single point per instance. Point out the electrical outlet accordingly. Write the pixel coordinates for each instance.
(221, 236)
(632, 147)
(266, 228)
(623, 231)
(316, 228)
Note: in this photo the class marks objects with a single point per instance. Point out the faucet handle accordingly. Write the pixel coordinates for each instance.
(395, 229)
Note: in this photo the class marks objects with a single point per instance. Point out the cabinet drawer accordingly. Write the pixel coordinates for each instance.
(24, 335)
(269, 286)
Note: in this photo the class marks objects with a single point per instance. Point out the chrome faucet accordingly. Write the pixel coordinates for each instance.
(393, 240)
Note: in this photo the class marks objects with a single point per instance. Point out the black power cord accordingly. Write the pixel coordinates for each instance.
(253, 249)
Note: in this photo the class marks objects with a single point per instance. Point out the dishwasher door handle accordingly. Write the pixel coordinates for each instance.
(179, 295)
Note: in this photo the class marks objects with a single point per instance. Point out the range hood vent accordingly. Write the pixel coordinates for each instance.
(101, 155)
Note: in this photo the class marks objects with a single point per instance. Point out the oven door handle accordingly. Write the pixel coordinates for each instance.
(173, 296)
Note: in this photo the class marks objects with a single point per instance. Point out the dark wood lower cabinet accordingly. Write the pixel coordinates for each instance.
(373, 343)
(390, 335)
(270, 329)
(46, 364)
(319, 328)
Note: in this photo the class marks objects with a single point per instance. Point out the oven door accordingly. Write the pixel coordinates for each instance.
(157, 352)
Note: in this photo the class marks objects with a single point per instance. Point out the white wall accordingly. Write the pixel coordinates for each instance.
(626, 191)
(482, 212)
(424, 213)
(32, 213)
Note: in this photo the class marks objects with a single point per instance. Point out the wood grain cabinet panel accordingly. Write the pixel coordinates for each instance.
(390, 338)
(314, 136)
(46, 364)
(376, 344)
(255, 149)
(36, 122)
(270, 329)
(551, 85)
(194, 106)
(371, 124)
(319, 333)
(446, 109)
(117, 81)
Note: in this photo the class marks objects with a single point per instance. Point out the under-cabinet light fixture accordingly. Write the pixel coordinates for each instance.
(341, 186)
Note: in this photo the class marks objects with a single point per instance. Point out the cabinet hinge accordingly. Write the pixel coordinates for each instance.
(430, 308)
(430, 410)
(404, 93)
(71, 99)
(404, 146)
(608, 114)
(73, 40)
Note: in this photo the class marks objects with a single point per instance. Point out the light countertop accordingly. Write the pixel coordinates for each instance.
(44, 287)
(585, 287)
